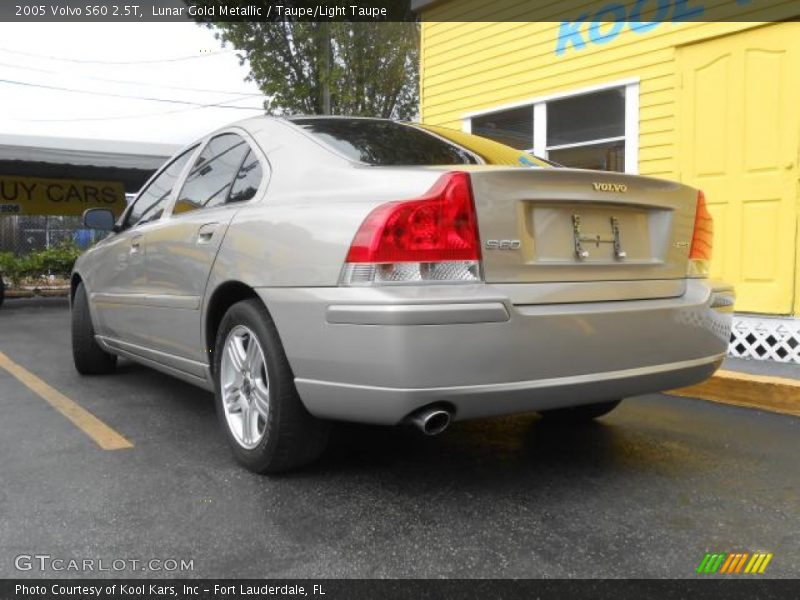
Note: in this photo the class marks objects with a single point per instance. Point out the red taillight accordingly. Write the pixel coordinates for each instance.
(703, 236)
(440, 226)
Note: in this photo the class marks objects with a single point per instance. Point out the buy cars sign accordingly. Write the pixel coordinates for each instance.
(58, 197)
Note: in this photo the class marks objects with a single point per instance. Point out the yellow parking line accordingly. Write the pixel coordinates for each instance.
(101, 434)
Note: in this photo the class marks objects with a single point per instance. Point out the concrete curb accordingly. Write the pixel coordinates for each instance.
(37, 293)
(774, 394)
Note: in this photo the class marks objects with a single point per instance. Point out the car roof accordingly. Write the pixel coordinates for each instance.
(292, 118)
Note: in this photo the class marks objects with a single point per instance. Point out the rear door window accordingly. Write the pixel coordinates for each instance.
(150, 204)
(214, 173)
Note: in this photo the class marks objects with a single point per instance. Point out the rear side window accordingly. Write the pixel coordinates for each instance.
(385, 143)
(247, 179)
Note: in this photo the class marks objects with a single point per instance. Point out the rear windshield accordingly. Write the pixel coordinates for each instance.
(388, 143)
(385, 143)
(492, 152)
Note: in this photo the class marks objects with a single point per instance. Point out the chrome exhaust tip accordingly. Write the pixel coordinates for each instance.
(431, 421)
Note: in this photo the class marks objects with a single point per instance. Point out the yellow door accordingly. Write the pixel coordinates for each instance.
(739, 115)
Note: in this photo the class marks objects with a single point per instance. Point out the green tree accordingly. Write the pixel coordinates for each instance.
(340, 68)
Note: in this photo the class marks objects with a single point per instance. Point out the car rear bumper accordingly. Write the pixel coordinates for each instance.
(375, 355)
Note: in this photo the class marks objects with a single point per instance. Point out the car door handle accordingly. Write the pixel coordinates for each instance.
(136, 245)
(206, 233)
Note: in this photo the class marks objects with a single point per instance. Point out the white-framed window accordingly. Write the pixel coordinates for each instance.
(591, 128)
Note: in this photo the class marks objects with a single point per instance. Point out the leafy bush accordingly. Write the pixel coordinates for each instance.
(14, 268)
(11, 268)
(57, 260)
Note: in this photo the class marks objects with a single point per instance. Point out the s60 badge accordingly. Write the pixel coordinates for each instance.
(503, 245)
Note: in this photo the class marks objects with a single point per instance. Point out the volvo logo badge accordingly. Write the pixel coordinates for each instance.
(617, 188)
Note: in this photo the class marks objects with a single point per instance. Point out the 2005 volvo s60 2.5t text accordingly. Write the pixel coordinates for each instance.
(315, 269)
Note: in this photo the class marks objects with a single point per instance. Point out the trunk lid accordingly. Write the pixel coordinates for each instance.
(566, 225)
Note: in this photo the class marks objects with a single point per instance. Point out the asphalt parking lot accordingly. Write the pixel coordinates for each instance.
(645, 492)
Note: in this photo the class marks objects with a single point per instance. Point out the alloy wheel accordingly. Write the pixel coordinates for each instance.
(244, 383)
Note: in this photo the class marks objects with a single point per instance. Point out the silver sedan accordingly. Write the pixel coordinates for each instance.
(318, 269)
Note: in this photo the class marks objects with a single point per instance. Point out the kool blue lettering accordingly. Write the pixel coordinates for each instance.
(611, 19)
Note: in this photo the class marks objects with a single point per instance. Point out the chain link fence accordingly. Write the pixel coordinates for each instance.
(37, 253)
(22, 235)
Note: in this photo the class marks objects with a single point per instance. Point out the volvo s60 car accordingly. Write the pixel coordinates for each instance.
(319, 269)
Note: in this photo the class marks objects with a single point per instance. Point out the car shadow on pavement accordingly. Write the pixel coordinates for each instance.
(503, 448)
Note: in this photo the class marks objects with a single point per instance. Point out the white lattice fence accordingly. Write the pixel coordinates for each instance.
(765, 338)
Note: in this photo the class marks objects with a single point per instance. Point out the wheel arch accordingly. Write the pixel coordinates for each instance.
(223, 297)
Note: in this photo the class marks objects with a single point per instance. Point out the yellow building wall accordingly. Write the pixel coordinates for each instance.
(473, 66)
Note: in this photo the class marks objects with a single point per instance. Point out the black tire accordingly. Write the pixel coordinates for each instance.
(2, 290)
(578, 414)
(292, 437)
(88, 356)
